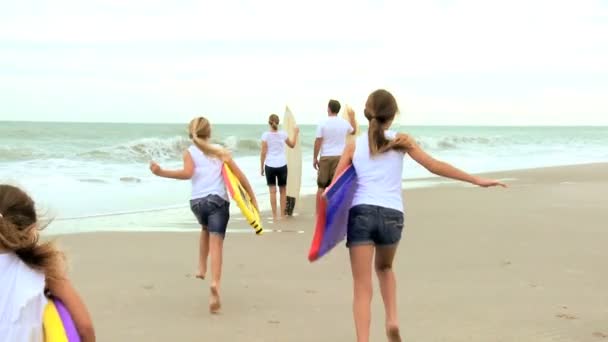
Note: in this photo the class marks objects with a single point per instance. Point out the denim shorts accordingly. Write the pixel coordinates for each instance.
(373, 225)
(212, 212)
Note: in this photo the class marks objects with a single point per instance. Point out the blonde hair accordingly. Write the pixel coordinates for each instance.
(19, 233)
(380, 109)
(273, 121)
(200, 132)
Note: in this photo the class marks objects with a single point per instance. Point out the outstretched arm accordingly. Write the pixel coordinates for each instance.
(63, 289)
(185, 173)
(244, 181)
(444, 169)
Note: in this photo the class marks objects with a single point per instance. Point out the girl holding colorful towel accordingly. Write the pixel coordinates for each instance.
(376, 217)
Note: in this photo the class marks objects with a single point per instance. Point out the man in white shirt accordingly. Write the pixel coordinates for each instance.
(330, 143)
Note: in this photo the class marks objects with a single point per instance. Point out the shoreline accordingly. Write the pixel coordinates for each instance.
(183, 222)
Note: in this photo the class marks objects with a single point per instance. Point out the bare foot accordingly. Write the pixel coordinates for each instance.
(392, 332)
(202, 272)
(214, 300)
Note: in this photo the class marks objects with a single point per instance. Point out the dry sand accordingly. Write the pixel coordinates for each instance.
(527, 263)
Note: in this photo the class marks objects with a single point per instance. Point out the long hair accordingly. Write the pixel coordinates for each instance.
(200, 132)
(380, 109)
(19, 232)
(273, 121)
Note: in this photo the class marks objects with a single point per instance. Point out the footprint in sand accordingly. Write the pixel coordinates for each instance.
(274, 322)
(599, 335)
(148, 287)
(566, 316)
(311, 291)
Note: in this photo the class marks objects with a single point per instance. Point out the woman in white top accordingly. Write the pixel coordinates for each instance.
(274, 162)
(28, 269)
(376, 216)
(203, 163)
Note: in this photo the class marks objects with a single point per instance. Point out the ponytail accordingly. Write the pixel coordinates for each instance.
(380, 109)
(273, 121)
(377, 140)
(200, 131)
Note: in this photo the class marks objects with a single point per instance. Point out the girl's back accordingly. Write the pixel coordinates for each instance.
(22, 300)
(275, 156)
(207, 178)
(379, 177)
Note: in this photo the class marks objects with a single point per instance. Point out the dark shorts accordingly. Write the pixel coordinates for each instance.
(327, 169)
(276, 175)
(373, 225)
(212, 212)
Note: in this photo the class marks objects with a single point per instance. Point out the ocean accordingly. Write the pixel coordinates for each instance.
(94, 176)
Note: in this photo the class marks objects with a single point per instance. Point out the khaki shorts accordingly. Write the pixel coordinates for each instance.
(327, 169)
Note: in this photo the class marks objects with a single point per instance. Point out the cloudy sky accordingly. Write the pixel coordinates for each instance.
(518, 62)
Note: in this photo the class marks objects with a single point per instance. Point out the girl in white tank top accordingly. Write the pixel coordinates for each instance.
(376, 216)
(203, 163)
(28, 269)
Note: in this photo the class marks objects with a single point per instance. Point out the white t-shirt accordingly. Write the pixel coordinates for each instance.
(379, 177)
(275, 157)
(22, 300)
(207, 178)
(333, 130)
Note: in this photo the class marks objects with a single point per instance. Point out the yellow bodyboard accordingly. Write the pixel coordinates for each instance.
(53, 327)
(242, 200)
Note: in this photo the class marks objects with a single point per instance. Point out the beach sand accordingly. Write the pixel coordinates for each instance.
(527, 263)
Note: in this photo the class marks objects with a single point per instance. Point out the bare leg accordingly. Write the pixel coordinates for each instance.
(216, 244)
(388, 288)
(203, 253)
(273, 201)
(361, 266)
(283, 193)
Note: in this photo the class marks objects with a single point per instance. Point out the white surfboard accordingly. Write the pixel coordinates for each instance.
(294, 163)
(344, 115)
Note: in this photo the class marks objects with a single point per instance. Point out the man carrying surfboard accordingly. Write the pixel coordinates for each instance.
(329, 144)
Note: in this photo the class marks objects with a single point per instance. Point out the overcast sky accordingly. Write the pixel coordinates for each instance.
(477, 62)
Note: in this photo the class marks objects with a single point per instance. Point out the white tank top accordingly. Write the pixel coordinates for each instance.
(275, 157)
(378, 178)
(22, 300)
(207, 178)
